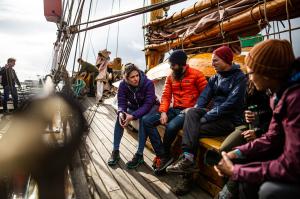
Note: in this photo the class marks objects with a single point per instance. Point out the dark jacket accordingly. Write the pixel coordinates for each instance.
(281, 142)
(263, 110)
(9, 77)
(139, 99)
(88, 67)
(227, 91)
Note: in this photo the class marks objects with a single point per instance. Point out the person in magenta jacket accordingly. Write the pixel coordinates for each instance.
(273, 160)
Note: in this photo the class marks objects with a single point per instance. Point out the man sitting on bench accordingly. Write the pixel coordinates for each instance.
(184, 86)
(226, 90)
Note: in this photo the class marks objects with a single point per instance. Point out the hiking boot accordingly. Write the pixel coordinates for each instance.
(163, 164)
(183, 166)
(135, 162)
(114, 158)
(183, 186)
(229, 191)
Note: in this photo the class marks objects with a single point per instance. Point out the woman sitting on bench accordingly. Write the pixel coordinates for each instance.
(273, 170)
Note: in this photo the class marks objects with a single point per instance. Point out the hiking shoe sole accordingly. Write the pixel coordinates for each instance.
(135, 166)
(113, 163)
(191, 170)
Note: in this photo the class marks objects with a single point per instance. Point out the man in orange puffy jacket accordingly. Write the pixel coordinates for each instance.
(183, 86)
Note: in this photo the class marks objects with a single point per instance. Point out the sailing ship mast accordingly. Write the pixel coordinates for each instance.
(153, 57)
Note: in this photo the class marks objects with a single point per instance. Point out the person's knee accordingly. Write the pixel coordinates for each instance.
(268, 190)
(174, 126)
(149, 120)
(191, 111)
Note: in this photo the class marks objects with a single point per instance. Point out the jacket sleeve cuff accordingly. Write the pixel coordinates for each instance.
(162, 110)
(235, 175)
(134, 116)
(242, 149)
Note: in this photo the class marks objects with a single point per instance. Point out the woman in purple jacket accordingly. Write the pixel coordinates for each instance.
(273, 168)
(136, 99)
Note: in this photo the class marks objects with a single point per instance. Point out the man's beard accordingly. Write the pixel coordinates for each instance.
(178, 73)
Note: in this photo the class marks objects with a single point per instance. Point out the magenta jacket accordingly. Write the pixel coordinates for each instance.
(280, 145)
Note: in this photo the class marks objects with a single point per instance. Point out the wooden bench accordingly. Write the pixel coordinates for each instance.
(207, 178)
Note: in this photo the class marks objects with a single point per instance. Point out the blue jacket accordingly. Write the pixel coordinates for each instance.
(138, 99)
(227, 91)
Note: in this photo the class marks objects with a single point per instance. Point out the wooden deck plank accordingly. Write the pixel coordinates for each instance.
(98, 188)
(78, 178)
(129, 136)
(102, 170)
(163, 190)
(126, 146)
(144, 170)
(145, 188)
(137, 180)
(143, 179)
(124, 181)
(128, 150)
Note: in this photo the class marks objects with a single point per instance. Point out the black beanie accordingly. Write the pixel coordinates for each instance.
(178, 57)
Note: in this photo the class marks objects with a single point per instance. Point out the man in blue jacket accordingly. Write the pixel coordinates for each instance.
(226, 90)
(136, 99)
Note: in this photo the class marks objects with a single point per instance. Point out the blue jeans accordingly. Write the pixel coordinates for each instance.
(119, 130)
(14, 94)
(175, 123)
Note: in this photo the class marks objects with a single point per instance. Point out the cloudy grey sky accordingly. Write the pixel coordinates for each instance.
(26, 35)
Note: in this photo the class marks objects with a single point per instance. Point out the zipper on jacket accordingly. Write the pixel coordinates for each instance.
(134, 96)
(136, 100)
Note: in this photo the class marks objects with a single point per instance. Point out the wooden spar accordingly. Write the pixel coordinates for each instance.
(197, 16)
(275, 8)
(199, 5)
(153, 57)
(156, 14)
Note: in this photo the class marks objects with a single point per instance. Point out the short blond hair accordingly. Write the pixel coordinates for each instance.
(11, 59)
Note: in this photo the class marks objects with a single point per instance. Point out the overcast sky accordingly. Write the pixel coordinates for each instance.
(26, 35)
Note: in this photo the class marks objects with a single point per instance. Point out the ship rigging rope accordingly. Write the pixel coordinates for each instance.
(287, 2)
(143, 23)
(124, 15)
(89, 14)
(68, 48)
(277, 23)
(74, 61)
(238, 41)
(108, 31)
(117, 47)
(67, 43)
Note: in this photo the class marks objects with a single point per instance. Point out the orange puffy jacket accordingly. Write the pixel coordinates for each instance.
(185, 92)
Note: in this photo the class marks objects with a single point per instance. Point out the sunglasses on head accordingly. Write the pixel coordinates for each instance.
(249, 73)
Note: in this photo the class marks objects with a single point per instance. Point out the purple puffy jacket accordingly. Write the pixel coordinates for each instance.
(138, 99)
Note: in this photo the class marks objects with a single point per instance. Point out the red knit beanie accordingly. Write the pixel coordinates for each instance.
(225, 54)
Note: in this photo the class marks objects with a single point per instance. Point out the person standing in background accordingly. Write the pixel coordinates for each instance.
(9, 79)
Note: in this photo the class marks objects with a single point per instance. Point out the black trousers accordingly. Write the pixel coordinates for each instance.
(269, 190)
(193, 129)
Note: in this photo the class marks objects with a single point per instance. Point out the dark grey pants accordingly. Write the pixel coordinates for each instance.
(269, 190)
(193, 129)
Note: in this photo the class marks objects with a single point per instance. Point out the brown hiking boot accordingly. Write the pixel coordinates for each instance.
(183, 166)
(183, 186)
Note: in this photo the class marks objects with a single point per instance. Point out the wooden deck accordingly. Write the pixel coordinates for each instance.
(119, 182)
